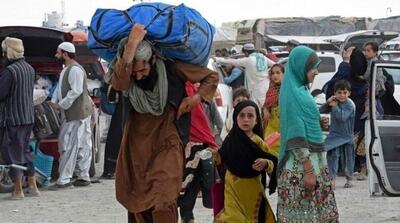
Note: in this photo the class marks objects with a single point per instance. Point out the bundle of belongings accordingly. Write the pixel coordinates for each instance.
(175, 32)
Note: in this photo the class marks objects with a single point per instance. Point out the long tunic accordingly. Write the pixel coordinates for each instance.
(151, 159)
(342, 124)
(74, 139)
(13, 139)
(273, 127)
(294, 203)
(243, 197)
(257, 82)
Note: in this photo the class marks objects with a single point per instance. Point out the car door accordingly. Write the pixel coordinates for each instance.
(382, 141)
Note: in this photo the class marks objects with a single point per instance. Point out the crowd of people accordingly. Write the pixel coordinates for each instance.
(70, 99)
(167, 142)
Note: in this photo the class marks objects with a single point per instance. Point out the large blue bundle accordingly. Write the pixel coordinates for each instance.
(178, 32)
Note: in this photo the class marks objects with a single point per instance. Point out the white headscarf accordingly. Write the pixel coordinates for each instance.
(13, 47)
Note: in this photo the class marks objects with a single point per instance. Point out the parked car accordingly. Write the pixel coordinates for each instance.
(40, 45)
(382, 142)
(389, 54)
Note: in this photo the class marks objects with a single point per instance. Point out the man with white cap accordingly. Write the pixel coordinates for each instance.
(16, 114)
(256, 72)
(74, 140)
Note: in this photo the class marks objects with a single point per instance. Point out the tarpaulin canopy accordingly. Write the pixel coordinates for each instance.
(314, 39)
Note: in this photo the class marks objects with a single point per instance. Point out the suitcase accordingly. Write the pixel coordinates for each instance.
(53, 117)
(41, 127)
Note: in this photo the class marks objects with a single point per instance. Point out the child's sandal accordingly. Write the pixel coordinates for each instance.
(348, 185)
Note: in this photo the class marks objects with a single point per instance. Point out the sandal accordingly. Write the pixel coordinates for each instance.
(361, 177)
(15, 196)
(32, 193)
(348, 185)
(108, 176)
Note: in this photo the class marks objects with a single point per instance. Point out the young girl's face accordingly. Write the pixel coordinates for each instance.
(276, 75)
(247, 119)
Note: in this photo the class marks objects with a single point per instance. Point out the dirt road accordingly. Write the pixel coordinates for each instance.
(97, 204)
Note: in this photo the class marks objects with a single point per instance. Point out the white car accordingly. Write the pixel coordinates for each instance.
(390, 55)
(329, 65)
(382, 142)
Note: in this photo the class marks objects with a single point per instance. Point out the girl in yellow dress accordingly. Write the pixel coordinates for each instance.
(247, 161)
(271, 107)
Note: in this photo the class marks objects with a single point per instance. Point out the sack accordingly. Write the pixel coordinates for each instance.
(41, 127)
(178, 32)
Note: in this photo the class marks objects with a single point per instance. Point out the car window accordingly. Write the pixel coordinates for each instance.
(395, 74)
(327, 64)
(390, 56)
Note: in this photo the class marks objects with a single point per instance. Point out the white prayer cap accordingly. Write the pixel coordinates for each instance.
(143, 51)
(67, 46)
(248, 46)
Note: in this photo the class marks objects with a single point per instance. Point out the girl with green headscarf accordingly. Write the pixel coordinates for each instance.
(305, 192)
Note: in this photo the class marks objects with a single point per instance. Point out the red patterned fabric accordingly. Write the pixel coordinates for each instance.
(199, 129)
(272, 96)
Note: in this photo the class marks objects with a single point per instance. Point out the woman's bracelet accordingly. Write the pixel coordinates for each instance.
(309, 171)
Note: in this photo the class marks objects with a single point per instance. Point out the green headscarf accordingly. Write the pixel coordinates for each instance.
(299, 115)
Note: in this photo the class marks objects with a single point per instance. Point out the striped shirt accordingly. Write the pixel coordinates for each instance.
(18, 106)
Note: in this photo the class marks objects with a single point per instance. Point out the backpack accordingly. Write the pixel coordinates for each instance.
(177, 32)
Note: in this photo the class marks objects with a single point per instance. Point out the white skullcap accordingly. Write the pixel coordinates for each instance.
(248, 46)
(143, 51)
(67, 47)
(13, 47)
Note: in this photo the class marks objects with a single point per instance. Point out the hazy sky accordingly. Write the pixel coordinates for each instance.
(31, 12)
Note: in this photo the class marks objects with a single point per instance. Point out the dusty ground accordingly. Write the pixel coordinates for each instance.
(97, 204)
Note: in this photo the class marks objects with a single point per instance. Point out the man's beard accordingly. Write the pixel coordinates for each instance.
(149, 82)
(60, 61)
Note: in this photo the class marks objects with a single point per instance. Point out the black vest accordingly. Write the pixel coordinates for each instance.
(176, 93)
(19, 104)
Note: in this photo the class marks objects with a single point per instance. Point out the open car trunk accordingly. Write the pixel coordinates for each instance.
(40, 45)
(359, 39)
